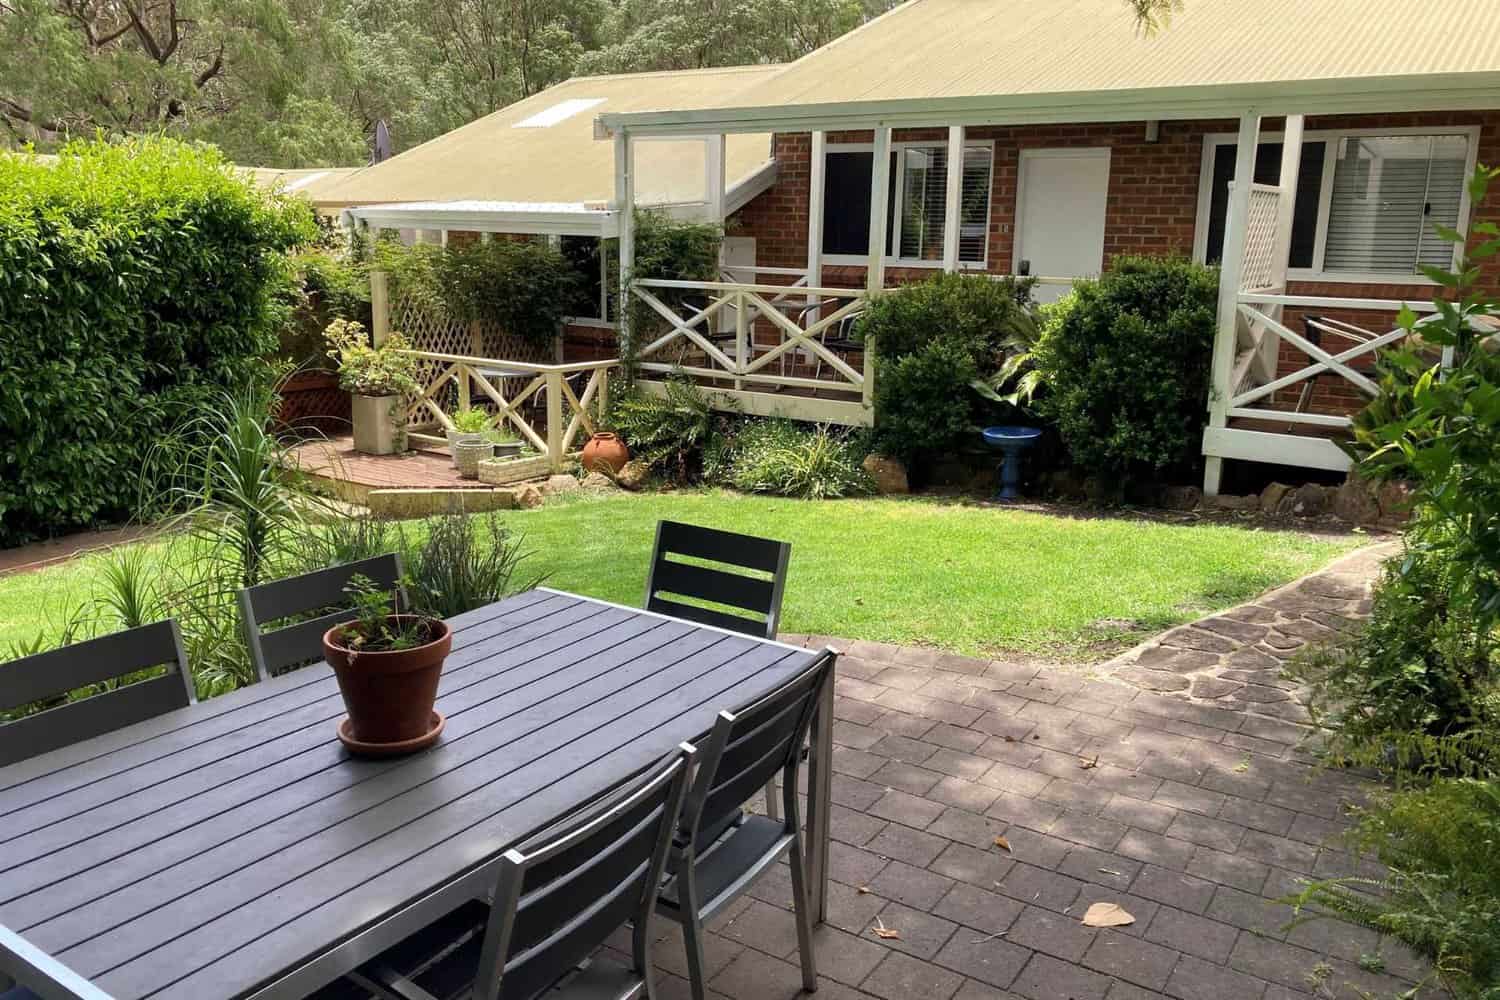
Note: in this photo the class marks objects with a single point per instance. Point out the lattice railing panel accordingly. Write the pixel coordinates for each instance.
(1260, 268)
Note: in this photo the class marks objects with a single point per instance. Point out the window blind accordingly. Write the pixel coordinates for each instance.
(1388, 193)
(920, 174)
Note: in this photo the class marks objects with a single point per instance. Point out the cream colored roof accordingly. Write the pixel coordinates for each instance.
(498, 158)
(1070, 53)
(311, 181)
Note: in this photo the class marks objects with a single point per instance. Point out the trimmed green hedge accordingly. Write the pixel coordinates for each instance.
(136, 281)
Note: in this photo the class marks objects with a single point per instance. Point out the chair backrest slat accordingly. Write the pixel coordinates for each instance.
(276, 649)
(750, 746)
(558, 899)
(110, 657)
(750, 603)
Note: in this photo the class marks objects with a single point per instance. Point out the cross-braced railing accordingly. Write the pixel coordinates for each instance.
(714, 335)
(517, 392)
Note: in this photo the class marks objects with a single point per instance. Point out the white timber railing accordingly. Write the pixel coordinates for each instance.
(511, 390)
(713, 340)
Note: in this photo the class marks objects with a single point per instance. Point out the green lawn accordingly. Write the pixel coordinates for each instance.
(969, 579)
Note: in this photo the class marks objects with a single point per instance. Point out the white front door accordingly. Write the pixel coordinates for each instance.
(1060, 208)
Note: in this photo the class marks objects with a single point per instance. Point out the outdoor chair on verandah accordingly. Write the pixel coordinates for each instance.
(556, 901)
(742, 754)
(287, 647)
(46, 676)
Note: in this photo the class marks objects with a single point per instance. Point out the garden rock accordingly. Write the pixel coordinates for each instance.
(888, 473)
(1309, 500)
(633, 475)
(1271, 497)
(1395, 501)
(1356, 501)
(560, 484)
(528, 496)
(1231, 501)
(1181, 497)
(597, 481)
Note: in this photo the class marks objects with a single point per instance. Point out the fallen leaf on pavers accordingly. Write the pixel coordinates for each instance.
(1002, 843)
(1088, 763)
(1106, 915)
(882, 931)
(1111, 871)
(863, 890)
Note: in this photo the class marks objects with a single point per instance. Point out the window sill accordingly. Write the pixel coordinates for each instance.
(850, 260)
(1360, 278)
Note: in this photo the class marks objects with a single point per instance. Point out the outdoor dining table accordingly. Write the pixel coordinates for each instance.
(234, 848)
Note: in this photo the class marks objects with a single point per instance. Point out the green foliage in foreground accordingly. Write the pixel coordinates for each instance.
(1442, 896)
(788, 459)
(970, 579)
(137, 282)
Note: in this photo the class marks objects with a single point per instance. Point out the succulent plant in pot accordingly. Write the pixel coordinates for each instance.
(469, 424)
(388, 664)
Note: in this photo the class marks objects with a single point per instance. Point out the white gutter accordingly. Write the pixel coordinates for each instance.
(1430, 92)
(539, 219)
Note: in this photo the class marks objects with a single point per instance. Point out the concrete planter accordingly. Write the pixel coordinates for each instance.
(454, 437)
(379, 425)
(469, 454)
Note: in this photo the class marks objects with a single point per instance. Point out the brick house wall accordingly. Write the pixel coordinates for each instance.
(1151, 208)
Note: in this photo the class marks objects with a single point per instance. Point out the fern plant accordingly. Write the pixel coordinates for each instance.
(668, 432)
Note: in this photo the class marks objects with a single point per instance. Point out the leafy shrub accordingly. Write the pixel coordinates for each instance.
(1418, 689)
(788, 459)
(670, 249)
(137, 281)
(933, 340)
(525, 287)
(1441, 845)
(330, 287)
(368, 370)
(669, 433)
(1126, 369)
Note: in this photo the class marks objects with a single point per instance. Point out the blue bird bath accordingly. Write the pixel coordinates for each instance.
(1010, 442)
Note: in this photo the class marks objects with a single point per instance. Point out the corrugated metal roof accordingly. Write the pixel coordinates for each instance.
(311, 181)
(950, 50)
(542, 149)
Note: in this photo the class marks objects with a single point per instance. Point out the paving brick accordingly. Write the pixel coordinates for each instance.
(958, 764)
(976, 866)
(1030, 884)
(1047, 978)
(1248, 912)
(753, 976)
(1274, 961)
(968, 827)
(901, 977)
(973, 989)
(1075, 795)
(913, 886)
(968, 795)
(1135, 812)
(1260, 816)
(670, 953)
(978, 909)
(852, 826)
(851, 910)
(1015, 780)
(905, 725)
(1091, 831)
(905, 844)
(1316, 829)
(1195, 979)
(1100, 866)
(902, 807)
(1052, 933)
(856, 763)
(1022, 811)
(906, 777)
(1186, 892)
(1036, 848)
(853, 792)
(1279, 851)
(1192, 934)
(922, 934)
(1241, 873)
(1187, 797)
(959, 738)
(855, 735)
(1125, 781)
(1214, 833)
(1134, 961)
(853, 865)
(763, 927)
(903, 748)
(991, 960)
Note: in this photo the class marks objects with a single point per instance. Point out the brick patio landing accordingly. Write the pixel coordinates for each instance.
(1193, 819)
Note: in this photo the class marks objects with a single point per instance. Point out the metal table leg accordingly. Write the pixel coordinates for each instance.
(819, 802)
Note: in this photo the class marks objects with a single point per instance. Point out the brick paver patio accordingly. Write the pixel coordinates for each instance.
(1194, 818)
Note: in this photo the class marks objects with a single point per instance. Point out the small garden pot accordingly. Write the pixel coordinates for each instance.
(606, 453)
(454, 437)
(508, 449)
(389, 694)
(469, 454)
(377, 424)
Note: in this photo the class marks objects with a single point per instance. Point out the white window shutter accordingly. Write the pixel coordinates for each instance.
(1388, 192)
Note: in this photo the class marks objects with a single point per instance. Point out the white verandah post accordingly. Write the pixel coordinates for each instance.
(1286, 207)
(817, 165)
(1230, 272)
(953, 198)
(880, 173)
(625, 209)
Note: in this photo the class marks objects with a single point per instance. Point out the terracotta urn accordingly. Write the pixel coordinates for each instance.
(605, 453)
(389, 694)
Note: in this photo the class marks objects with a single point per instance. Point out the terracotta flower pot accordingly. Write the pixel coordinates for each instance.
(605, 452)
(389, 694)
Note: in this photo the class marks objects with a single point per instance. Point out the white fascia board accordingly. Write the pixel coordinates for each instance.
(590, 223)
(1433, 92)
(743, 191)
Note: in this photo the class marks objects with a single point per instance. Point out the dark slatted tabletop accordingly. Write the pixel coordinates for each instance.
(215, 850)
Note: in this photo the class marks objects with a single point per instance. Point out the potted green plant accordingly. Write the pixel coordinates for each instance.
(377, 379)
(507, 444)
(469, 424)
(387, 664)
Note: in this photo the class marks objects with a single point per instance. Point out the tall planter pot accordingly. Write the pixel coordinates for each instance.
(389, 695)
(378, 424)
(469, 453)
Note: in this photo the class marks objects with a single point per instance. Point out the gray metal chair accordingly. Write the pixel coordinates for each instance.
(46, 677)
(753, 595)
(743, 753)
(556, 900)
(287, 647)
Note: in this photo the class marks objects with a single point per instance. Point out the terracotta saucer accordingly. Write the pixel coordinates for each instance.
(427, 739)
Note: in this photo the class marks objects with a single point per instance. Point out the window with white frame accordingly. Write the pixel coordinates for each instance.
(1368, 203)
(586, 254)
(915, 204)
